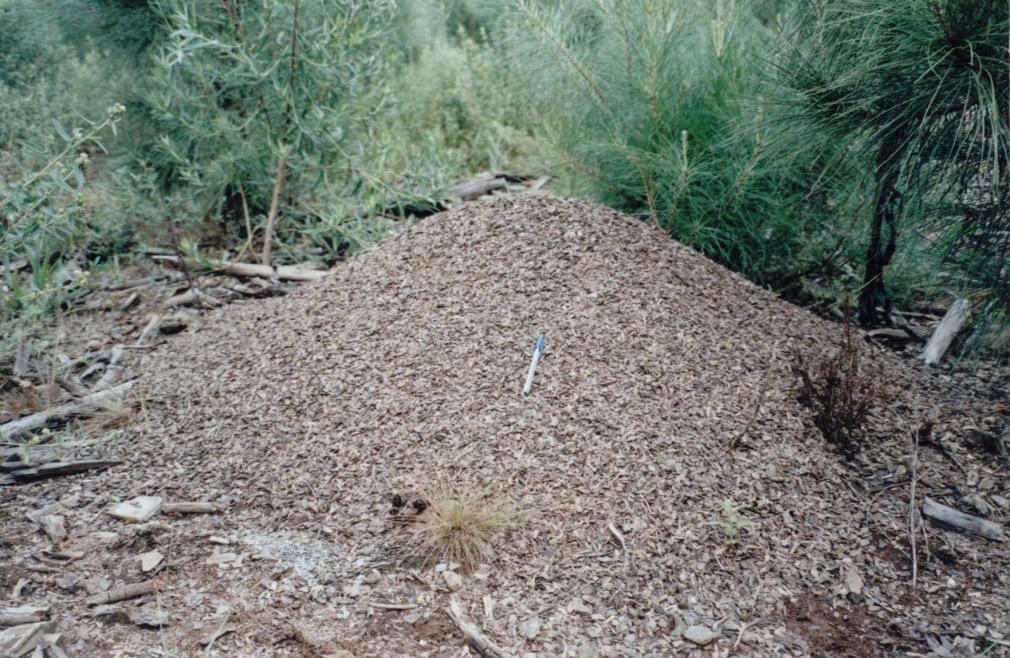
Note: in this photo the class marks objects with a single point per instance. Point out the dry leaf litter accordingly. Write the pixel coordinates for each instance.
(304, 416)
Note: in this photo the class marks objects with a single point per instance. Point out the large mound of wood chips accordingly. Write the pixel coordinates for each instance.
(307, 414)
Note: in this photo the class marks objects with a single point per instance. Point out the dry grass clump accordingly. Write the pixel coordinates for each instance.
(840, 390)
(453, 523)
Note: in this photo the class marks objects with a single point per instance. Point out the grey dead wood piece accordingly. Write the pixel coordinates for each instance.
(192, 296)
(477, 187)
(152, 325)
(131, 591)
(112, 371)
(945, 332)
(480, 642)
(190, 508)
(250, 270)
(56, 652)
(18, 641)
(26, 614)
(129, 302)
(961, 521)
(64, 412)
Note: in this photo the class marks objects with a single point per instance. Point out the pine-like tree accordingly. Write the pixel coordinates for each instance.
(919, 92)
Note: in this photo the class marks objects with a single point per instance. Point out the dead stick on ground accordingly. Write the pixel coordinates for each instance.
(759, 401)
(961, 521)
(131, 591)
(64, 412)
(392, 606)
(152, 324)
(474, 636)
(911, 501)
(190, 508)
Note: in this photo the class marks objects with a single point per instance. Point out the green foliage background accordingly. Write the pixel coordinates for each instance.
(746, 128)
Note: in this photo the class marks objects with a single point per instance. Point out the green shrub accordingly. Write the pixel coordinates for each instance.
(655, 107)
(256, 103)
(918, 95)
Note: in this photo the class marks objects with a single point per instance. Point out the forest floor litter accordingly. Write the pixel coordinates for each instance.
(665, 492)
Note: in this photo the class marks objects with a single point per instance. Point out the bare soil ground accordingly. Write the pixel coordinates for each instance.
(303, 416)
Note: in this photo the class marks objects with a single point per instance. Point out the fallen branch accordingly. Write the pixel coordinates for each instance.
(64, 412)
(21, 640)
(478, 187)
(151, 326)
(283, 272)
(130, 591)
(925, 430)
(480, 642)
(190, 508)
(961, 521)
(112, 371)
(56, 469)
(22, 615)
(392, 606)
(194, 297)
(945, 332)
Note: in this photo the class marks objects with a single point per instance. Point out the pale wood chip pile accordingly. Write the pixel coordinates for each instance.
(302, 417)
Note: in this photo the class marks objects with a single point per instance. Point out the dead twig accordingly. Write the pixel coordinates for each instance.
(912, 467)
(391, 606)
(480, 642)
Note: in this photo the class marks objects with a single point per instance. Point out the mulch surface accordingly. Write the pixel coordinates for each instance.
(306, 414)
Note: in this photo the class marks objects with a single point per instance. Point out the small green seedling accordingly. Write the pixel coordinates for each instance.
(731, 523)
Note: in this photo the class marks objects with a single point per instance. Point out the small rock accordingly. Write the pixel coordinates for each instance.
(35, 516)
(452, 580)
(52, 525)
(70, 502)
(979, 504)
(531, 628)
(95, 585)
(138, 510)
(149, 616)
(106, 610)
(173, 324)
(700, 635)
(150, 560)
(193, 599)
(853, 583)
(69, 582)
(221, 558)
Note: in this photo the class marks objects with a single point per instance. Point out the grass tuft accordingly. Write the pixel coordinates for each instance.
(454, 524)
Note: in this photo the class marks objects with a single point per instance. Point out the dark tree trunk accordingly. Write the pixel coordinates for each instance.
(880, 252)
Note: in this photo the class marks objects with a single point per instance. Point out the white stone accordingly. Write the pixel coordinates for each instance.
(700, 635)
(138, 510)
(150, 560)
